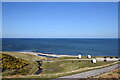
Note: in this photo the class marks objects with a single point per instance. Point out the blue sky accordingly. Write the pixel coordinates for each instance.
(60, 20)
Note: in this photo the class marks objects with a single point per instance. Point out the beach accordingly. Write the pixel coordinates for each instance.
(71, 57)
(45, 54)
(98, 58)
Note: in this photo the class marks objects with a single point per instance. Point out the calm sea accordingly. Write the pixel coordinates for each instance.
(66, 46)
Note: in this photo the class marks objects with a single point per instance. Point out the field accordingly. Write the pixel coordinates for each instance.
(52, 67)
(60, 68)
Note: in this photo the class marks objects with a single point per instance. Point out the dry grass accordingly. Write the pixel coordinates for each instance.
(112, 74)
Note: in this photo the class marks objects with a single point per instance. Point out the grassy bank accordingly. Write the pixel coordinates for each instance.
(57, 69)
(53, 68)
(63, 66)
(85, 57)
(112, 74)
(30, 69)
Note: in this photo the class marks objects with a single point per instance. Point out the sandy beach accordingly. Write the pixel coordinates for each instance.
(45, 54)
(58, 56)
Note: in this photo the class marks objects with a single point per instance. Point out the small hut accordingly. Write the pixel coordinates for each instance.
(89, 56)
(35, 54)
(94, 60)
(79, 56)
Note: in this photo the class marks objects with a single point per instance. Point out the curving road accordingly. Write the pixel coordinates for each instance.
(89, 73)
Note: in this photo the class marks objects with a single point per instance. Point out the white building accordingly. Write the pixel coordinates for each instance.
(89, 56)
(94, 60)
(79, 56)
(35, 54)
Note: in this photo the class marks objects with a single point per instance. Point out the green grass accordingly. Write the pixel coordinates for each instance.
(63, 66)
(83, 57)
(31, 68)
(54, 69)
(67, 58)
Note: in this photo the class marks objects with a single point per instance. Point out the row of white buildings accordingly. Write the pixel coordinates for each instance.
(89, 56)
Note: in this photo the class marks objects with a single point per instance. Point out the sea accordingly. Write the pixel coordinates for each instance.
(63, 46)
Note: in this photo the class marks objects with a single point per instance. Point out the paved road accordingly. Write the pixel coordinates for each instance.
(89, 73)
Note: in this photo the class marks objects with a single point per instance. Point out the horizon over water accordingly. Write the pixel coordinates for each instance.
(63, 46)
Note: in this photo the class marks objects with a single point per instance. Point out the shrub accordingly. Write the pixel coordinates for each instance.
(116, 57)
(105, 60)
(111, 57)
(10, 62)
(105, 57)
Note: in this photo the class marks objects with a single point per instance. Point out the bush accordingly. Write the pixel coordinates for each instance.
(111, 57)
(105, 60)
(105, 57)
(10, 62)
(116, 57)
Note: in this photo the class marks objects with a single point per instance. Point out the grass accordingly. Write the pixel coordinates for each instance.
(83, 57)
(32, 67)
(57, 69)
(63, 66)
(54, 69)
(112, 74)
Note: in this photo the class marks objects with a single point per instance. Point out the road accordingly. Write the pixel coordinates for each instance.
(89, 73)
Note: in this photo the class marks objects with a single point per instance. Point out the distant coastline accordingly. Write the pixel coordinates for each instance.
(46, 54)
(59, 38)
(98, 58)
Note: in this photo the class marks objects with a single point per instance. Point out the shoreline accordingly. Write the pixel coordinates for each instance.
(52, 54)
(48, 55)
(98, 58)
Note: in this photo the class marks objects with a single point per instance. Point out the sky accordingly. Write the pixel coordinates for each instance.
(60, 0)
(60, 19)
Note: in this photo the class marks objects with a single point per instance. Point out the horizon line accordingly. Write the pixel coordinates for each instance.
(59, 0)
(99, 38)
